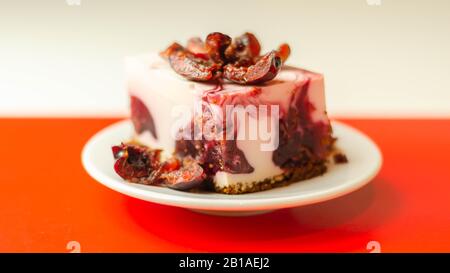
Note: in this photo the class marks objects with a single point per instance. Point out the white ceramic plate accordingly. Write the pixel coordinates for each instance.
(364, 163)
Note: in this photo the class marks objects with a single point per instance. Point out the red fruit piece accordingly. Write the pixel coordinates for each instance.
(188, 176)
(244, 48)
(216, 43)
(139, 164)
(237, 60)
(193, 67)
(135, 163)
(235, 73)
(234, 160)
(283, 52)
(141, 117)
(265, 69)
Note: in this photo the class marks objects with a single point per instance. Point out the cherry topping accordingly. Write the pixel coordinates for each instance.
(283, 52)
(237, 60)
(245, 47)
(193, 67)
(216, 44)
(264, 70)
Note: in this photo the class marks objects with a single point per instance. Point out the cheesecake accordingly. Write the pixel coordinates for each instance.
(217, 115)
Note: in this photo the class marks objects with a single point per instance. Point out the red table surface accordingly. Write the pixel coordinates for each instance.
(47, 200)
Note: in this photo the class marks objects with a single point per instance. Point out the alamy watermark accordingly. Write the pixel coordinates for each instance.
(374, 247)
(207, 121)
(73, 247)
(373, 2)
(73, 2)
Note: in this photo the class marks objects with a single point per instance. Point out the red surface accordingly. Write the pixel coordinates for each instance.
(48, 200)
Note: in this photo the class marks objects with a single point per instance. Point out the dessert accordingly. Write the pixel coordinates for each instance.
(219, 115)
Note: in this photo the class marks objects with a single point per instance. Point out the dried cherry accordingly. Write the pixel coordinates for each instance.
(236, 60)
(283, 52)
(244, 48)
(193, 67)
(189, 175)
(143, 165)
(135, 163)
(264, 70)
(216, 43)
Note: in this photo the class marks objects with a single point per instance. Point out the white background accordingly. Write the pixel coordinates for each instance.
(391, 60)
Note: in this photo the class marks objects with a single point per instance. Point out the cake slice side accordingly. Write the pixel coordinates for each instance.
(238, 165)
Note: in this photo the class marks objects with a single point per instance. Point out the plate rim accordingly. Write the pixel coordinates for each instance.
(241, 204)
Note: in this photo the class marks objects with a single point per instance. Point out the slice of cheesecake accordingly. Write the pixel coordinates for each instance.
(298, 146)
(219, 115)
